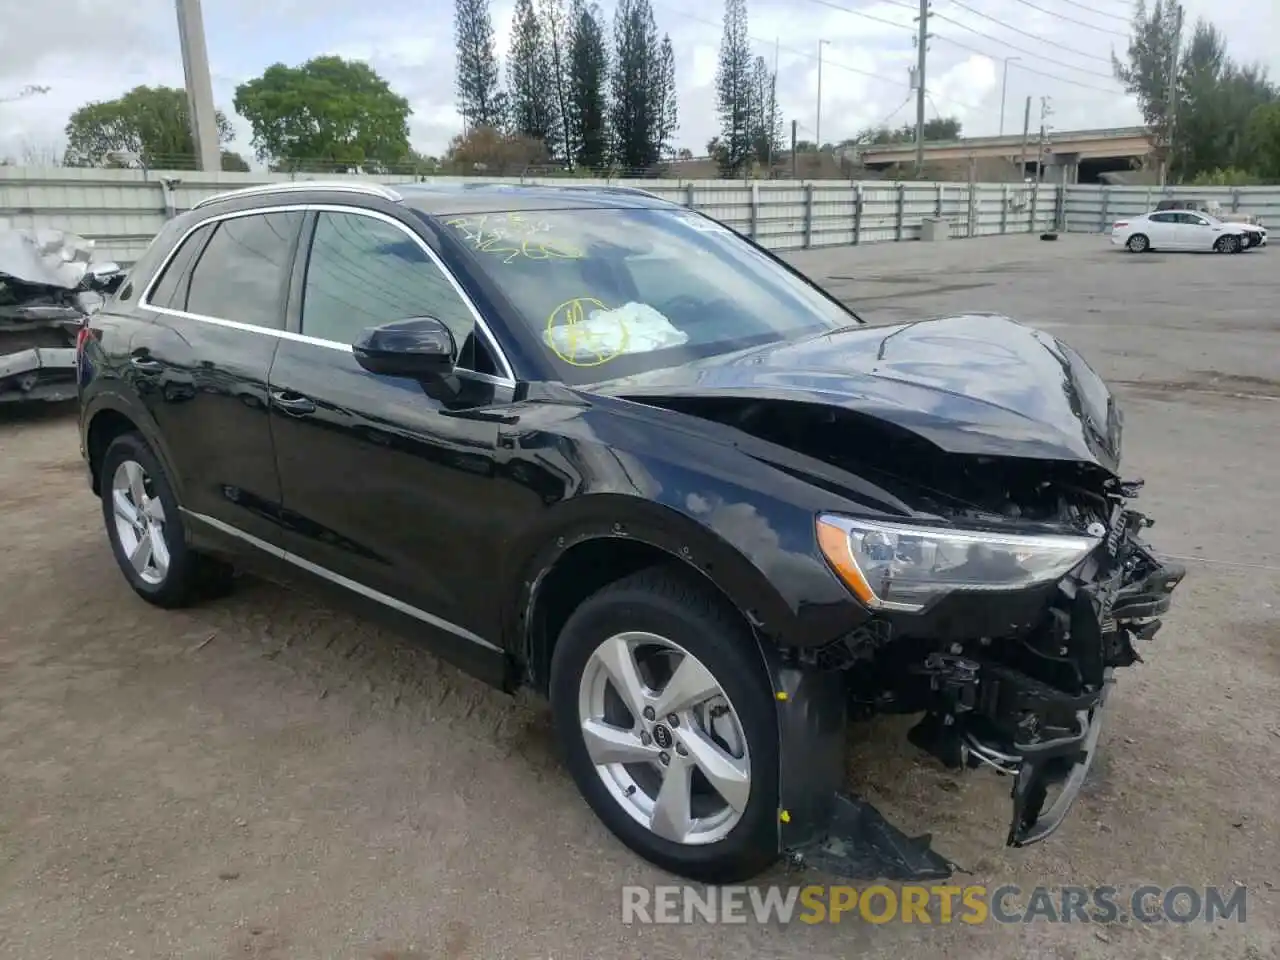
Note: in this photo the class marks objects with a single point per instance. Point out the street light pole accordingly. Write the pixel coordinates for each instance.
(817, 133)
(195, 65)
(1004, 90)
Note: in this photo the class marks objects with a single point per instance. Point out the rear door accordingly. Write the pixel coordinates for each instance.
(390, 487)
(1163, 230)
(202, 367)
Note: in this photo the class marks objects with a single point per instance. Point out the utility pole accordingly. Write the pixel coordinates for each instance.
(1026, 130)
(1172, 108)
(1045, 110)
(794, 124)
(773, 105)
(817, 133)
(1004, 90)
(922, 48)
(195, 64)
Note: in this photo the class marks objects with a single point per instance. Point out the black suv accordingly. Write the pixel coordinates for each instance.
(591, 442)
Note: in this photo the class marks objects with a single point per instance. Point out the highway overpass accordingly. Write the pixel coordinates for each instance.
(1085, 153)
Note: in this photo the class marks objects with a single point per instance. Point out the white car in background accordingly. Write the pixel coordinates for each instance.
(1178, 230)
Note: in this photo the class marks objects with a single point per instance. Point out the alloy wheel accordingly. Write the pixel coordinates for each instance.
(664, 738)
(139, 518)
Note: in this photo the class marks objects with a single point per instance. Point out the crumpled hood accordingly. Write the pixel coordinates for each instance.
(978, 384)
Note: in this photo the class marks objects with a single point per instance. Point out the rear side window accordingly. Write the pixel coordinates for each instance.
(241, 274)
(171, 290)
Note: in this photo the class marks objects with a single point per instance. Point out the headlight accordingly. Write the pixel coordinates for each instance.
(897, 566)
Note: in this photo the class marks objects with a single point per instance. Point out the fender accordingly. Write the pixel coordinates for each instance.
(813, 611)
(107, 399)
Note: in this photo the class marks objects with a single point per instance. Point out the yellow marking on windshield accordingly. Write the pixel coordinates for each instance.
(513, 235)
(579, 339)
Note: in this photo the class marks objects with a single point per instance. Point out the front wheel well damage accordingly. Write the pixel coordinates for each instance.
(104, 428)
(583, 570)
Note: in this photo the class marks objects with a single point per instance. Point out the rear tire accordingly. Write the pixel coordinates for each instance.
(146, 531)
(697, 797)
(1138, 243)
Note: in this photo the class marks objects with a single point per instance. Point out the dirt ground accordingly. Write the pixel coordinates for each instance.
(265, 778)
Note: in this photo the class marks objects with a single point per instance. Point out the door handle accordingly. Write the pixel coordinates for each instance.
(292, 402)
(146, 365)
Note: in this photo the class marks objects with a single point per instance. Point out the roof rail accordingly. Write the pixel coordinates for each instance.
(291, 186)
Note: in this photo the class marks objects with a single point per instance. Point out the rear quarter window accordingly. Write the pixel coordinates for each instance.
(170, 289)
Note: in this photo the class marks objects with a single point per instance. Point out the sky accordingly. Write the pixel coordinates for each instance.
(86, 50)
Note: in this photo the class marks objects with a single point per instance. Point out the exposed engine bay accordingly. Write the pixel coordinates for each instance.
(1012, 681)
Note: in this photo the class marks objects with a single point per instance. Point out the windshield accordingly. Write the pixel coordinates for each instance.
(614, 292)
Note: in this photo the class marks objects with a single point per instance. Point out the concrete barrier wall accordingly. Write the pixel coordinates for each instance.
(121, 210)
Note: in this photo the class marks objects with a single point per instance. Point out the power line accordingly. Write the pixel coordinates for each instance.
(825, 60)
(865, 16)
(1025, 33)
(1079, 23)
(1024, 50)
(1100, 13)
(1024, 67)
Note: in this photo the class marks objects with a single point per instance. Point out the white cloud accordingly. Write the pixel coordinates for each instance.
(74, 47)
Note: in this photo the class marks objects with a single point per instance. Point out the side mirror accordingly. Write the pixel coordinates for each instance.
(419, 348)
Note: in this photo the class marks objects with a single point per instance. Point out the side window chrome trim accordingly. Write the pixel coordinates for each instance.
(353, 585)
(144, 301)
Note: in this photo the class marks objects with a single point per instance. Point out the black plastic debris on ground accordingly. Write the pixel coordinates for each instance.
(862, 845)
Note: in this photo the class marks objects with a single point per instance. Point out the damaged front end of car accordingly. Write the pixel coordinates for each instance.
(1005, 642)
(979, 518)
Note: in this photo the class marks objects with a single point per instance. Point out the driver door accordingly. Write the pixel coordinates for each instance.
(388, 484)
(1195, 232)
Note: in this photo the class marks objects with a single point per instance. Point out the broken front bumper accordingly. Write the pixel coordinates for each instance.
(1050, 756)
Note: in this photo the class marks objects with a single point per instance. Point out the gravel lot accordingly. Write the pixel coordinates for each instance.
(265, 778)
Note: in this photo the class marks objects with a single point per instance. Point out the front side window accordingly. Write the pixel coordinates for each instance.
(613, 292)
(241, 274)
(364, 272)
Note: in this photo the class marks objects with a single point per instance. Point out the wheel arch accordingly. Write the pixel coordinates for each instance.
(111, 416)
(586, 554)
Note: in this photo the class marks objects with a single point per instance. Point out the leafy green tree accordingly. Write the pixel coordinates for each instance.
(733, 90)
(939, 129)
(233, 162)
(635, 109)
(530, 82)
(148, 126)
(480, 97)
(328, 114)
(587, 75)
(1264, 141)
(1147, 70)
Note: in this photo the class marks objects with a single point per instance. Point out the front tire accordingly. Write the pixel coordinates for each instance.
(1138, 243)
(667, 719)
(146, 531)
(1228, 244)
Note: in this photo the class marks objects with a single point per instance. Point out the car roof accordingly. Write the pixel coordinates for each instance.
(444, 199)
(466, 198)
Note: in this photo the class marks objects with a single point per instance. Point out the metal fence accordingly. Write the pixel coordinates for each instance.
(1093, 209)
(121, 210)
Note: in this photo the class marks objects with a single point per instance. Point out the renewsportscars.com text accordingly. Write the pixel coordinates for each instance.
(932, 904)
